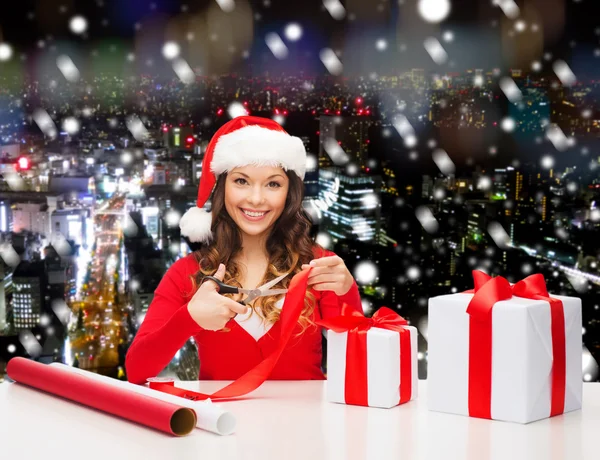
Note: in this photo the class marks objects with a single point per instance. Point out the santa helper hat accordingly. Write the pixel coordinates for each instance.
(240, 142)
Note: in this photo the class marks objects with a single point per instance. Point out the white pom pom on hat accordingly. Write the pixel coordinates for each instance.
(242, 141)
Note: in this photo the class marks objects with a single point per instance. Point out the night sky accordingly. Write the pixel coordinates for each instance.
(569, 29)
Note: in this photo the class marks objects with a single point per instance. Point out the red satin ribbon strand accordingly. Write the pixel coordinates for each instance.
(405, 366)
(251, 380)
(357, 326)
(487, 292)
(356, 388)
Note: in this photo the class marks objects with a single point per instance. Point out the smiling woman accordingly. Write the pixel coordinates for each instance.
(256, 231)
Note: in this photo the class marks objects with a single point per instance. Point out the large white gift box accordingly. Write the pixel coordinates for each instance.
(521, 356)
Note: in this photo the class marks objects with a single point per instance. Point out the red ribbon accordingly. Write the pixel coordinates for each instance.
(487, 292)
(255, 377)
(357, 325)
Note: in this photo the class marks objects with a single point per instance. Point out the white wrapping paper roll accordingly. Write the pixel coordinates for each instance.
(210, 417)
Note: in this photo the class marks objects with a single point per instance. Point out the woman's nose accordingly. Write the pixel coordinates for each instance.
(257, 195)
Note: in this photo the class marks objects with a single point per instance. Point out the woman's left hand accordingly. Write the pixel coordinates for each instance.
(329, 274)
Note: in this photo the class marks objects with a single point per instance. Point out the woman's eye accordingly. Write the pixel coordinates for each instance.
(277, 184)
(236, 181)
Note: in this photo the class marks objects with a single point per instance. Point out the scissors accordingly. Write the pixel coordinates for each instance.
(260, 291)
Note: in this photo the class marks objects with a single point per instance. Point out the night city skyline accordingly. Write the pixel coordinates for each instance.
(470, 144)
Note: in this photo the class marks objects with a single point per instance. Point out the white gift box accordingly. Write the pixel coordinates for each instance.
(383, 366)
(521, 357)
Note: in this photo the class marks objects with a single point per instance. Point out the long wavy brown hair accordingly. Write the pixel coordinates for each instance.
(289, 245)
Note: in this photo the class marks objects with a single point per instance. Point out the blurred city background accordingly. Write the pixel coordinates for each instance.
(443, 136)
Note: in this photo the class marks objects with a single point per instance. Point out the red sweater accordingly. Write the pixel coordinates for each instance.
(224, 355)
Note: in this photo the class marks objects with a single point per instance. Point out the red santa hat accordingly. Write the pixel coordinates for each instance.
(240, 142)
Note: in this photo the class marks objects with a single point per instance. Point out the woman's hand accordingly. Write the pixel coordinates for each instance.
(211, 310)
(329, 274)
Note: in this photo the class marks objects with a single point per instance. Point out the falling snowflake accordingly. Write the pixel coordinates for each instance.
(6, 52)
(44, 320)
(324, 239)
(130, 228)
(331, 61)
(381, 44)
(510, 89)
(276, 45)
(30, 343)
(71, 125)
(171, 50)
(508, 124)
(11, 348)
(536, 66)
(579, 283)
(439, 193)
(509, 8)
(78, 24)
(335, 151)
(136, 128)
(572, 187)
(370, 201)
(365, 272)
(443, 161)
(427, 219)
(434, 11)
(61, 310)
(547, 162)
(564, 73)
(435, 50)
(15, 181)
(405, 130)
(413, 273)
(183, 70)
(126, 157)
(280, 119)
(172, 218)
(557, 137)
(335, 8)
(484, 183)
(68, 68)
(448, 36)
(293, 31)
(352, 169)
(226, 5)
(499, 235)
(520, 26)
(44, 122)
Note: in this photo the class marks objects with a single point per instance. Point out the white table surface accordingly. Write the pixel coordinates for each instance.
(292, 420)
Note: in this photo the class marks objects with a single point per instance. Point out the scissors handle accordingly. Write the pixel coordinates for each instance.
(223, 288)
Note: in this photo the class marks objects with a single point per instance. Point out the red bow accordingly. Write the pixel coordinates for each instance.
(352, 320)
(357, 325)
(487, 292)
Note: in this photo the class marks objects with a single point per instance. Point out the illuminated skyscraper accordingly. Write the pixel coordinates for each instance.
(352, 135)
(349, 206)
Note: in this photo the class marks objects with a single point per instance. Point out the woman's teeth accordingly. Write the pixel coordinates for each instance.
(254, 214)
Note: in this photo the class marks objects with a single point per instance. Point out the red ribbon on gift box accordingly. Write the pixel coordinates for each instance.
(487, 292)
(357, 326)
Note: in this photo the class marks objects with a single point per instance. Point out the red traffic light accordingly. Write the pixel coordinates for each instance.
(23, 163)
(189, 139)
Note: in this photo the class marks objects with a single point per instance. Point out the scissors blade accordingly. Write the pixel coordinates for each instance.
(271, 283)
(272, 292)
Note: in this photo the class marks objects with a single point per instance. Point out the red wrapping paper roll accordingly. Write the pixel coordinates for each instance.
(163, 416)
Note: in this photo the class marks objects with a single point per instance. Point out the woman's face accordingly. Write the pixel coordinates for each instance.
(255, 197)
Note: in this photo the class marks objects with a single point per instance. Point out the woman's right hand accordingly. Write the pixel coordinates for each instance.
(211, 310)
